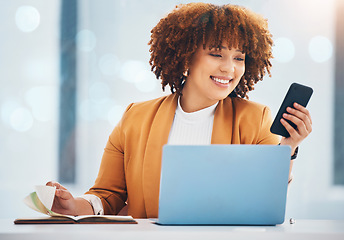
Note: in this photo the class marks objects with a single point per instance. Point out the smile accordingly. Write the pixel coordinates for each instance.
(223, 81)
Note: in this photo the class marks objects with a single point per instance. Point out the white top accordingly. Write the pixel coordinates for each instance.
(193, 128)
(187, 129)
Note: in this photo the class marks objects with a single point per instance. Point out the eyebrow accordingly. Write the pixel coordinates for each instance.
(223, 47)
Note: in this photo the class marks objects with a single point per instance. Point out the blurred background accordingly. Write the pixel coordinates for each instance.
(68, 69)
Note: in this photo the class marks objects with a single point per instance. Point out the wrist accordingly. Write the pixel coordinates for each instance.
(73, 207)
(82, 207)
(295, 153)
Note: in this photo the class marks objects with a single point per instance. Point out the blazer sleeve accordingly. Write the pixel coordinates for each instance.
(110, 185)
(265, 136)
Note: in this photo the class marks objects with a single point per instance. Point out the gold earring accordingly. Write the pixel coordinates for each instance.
(186, 73)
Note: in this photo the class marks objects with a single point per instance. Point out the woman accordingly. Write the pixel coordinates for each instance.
(211, 57)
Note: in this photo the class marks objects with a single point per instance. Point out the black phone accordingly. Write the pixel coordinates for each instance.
(297, 93)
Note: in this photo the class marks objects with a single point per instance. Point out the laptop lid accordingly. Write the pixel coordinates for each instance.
(224, 184)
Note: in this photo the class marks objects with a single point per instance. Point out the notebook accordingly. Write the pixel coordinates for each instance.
(223, 184)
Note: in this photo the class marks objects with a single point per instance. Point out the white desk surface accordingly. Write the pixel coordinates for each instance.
(145, 229)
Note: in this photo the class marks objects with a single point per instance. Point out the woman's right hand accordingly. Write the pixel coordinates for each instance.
(64, 202)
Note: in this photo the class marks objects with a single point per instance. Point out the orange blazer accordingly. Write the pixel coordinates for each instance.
(131, 163)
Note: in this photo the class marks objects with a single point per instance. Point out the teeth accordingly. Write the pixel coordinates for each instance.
(220, 80)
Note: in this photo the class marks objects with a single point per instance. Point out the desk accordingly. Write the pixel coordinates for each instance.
(145, 229)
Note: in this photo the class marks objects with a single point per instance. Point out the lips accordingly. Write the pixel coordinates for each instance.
(221, 80)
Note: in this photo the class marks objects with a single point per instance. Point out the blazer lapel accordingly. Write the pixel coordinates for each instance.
(158, 137)
(223, 122)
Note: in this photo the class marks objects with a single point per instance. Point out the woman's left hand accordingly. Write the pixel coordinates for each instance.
(300, 116)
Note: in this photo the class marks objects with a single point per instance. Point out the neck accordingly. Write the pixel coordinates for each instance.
(190, 104)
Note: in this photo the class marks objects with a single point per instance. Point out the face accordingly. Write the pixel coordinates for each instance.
(213, 75)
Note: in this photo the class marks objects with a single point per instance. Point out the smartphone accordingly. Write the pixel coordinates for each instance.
(297, 93)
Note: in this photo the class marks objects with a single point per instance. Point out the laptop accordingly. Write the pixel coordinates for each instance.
(223, 184)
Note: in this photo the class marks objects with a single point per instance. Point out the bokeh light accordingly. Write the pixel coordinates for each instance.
(7, 108)
(27, 18)
(130, 69)
(86, 40)
(320, 49)
(284, 50)
(145, 81)
(109, 64)
(21, 119)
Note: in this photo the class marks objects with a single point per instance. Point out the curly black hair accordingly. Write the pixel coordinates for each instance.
(176, 37)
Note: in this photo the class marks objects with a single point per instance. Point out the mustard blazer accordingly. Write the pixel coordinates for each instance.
(130, 167)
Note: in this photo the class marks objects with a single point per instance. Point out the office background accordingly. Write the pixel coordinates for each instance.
(69, 68)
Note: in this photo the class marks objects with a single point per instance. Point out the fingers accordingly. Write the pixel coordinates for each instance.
(290, 129)
(302, 129)
(61, 191)
(302, 113)
(63, 200)
(63, 194)
(300, 116)
(304, 110)
(50, 183)
(55, 184)
(302, 120)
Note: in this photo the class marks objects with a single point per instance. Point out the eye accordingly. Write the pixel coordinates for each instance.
(215, 55)
(239, 59)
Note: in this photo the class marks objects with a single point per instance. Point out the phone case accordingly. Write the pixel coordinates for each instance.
(297, 93)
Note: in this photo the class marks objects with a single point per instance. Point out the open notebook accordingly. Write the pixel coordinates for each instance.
(42, 201)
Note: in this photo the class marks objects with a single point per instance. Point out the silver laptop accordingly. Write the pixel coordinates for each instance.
(223, 184)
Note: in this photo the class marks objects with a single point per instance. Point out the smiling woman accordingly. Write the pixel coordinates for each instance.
(308, 48)
(210, 56)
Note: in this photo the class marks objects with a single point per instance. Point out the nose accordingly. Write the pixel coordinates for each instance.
(227, 66)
